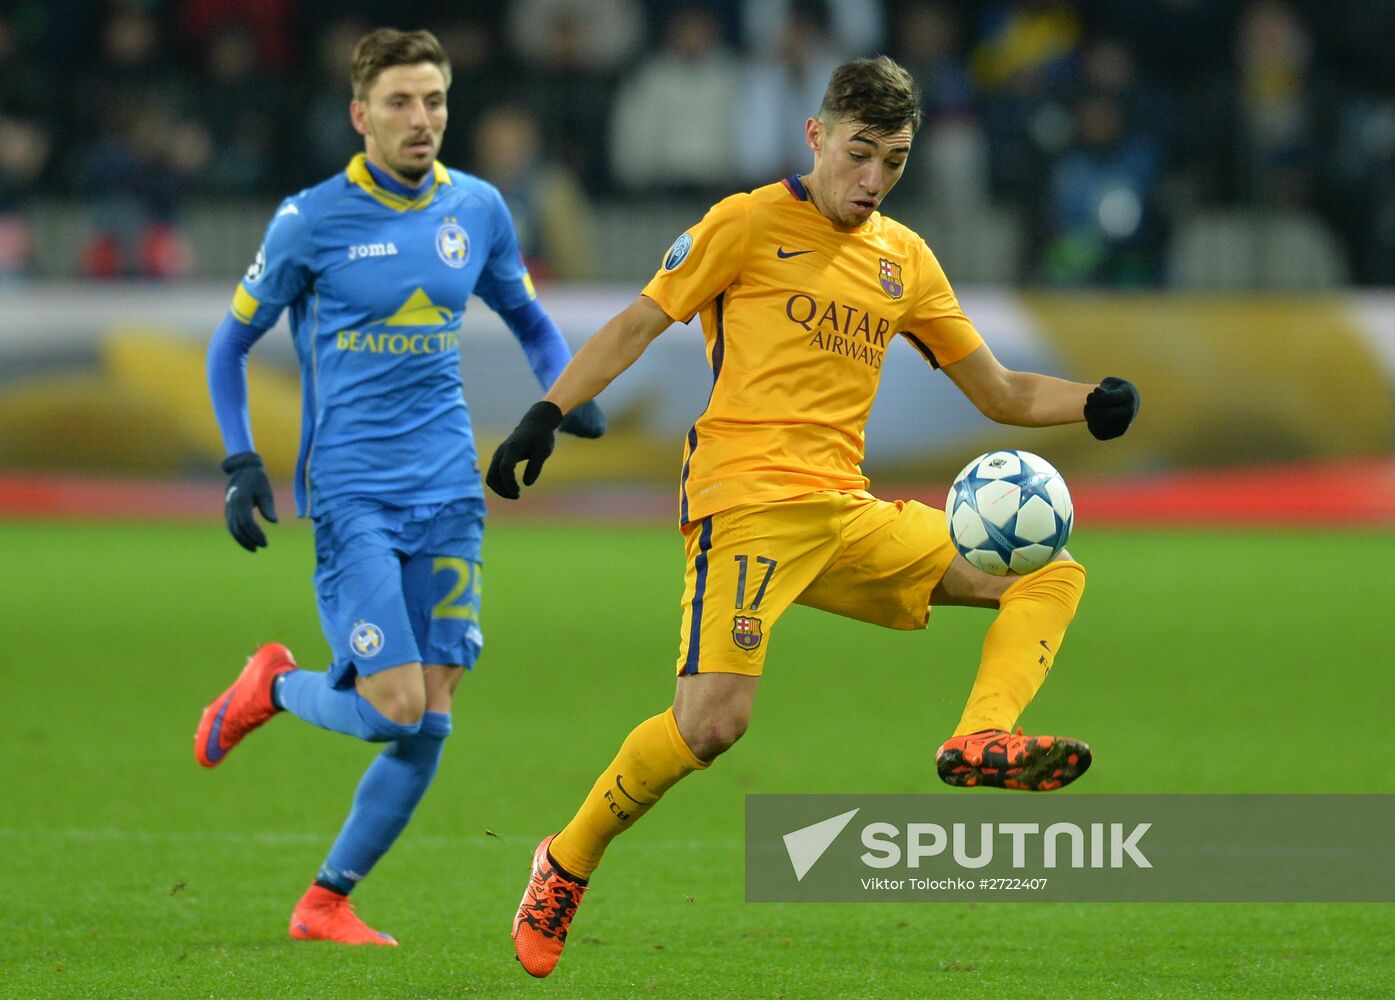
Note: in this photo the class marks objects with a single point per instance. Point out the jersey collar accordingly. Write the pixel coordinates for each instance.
(796, 187)
(359, 173)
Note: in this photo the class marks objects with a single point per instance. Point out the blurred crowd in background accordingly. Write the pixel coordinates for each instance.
(1101, 127)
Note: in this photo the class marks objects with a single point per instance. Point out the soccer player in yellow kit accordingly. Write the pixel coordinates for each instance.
(801, 285)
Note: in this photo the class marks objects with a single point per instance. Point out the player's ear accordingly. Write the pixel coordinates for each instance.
(357, 114)
(813, 134)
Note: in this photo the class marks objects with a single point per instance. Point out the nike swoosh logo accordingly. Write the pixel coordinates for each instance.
(784, 254)
(212, 749)
(231, 491)
(627, 794)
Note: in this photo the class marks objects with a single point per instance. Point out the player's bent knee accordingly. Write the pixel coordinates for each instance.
(712, 733)
(713, 711)
(403, 707)
(965, 585)
(399, 693)
(713, 737)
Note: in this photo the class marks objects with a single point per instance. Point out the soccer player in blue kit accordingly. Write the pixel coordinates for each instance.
(375, 265)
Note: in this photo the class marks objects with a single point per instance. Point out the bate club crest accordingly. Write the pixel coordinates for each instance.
(891, 279)
(745, 632)
(452, 244)
(366, 639)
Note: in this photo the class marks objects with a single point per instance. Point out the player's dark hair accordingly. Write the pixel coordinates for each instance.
(386, 47)
(877, 92)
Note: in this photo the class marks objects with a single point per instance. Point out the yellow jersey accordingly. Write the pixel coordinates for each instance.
(797, 315)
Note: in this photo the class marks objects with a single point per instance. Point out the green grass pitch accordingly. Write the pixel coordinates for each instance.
(1200, 662)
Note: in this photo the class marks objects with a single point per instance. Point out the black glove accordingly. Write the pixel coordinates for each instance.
(586, 421)
(1111, 407)
(532, 441)
(248, 487)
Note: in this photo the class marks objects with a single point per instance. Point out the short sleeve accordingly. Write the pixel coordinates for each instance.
(281, 270)
(937, 327)
(703, 261)
(504, 284)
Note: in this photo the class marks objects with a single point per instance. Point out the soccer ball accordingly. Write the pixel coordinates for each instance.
(1009, 512)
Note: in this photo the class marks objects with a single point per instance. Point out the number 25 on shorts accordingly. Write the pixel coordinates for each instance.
(462, 600)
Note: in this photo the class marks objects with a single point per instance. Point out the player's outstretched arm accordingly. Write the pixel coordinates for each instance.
(1030, 399)
(248, 486)
(615, 347)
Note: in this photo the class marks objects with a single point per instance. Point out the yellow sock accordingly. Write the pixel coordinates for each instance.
(1021, 645)
(653, 758)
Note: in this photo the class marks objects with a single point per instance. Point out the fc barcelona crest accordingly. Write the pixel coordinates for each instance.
(891, 279)
(745, 632)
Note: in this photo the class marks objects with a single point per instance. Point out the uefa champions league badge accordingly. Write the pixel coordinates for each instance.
(745, 632)
(678, 253)
(258, 266)
(366, 640)
(452, 245)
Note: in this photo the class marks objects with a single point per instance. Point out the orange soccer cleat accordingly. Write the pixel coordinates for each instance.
(242, 707)
(545, 914)
(995, 758)
(325, 915)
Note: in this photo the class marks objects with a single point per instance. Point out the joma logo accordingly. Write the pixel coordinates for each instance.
(372, 250)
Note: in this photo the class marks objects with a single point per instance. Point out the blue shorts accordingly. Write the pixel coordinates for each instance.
(399, 585)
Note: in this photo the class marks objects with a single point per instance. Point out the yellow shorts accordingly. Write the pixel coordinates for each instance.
(848, 553)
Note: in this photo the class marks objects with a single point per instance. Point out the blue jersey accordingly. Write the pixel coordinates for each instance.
(376, 277)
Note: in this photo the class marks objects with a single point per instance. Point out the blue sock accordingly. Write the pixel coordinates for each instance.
(309, 695)
(388, 794)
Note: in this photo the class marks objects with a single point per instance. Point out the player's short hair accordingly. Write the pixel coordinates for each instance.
(386, 47)
(877, 92)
